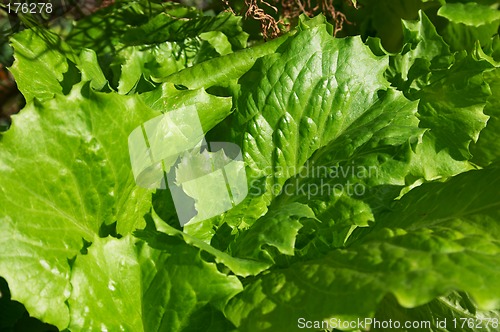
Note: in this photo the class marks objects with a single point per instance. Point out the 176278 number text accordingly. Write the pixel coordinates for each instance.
(29, 8)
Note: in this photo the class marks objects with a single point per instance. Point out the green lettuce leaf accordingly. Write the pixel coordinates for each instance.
(106, 30)
(451, 90)
(91, 71)
(41, 64)
(270, 230)
(79, 180)
(423, 50)
(452, 106)
(470, 13)
(211, 109)
(121, 286)
(281, 103)
(383, 19)
(138, 63)
(224, 70)
(469, 23)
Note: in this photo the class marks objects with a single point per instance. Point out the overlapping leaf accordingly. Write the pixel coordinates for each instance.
(121, 286)
(41, 64)
(470, 23)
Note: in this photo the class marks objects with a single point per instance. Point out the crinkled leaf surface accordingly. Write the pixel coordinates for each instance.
(320, 95)
(270, 230)
(303, 94)
(451, 89)
(122, 286)
(487, 148)
(271, 101)
(339, 181)
(452, 106)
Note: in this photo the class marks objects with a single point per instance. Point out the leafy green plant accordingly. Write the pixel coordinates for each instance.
(373, 177)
